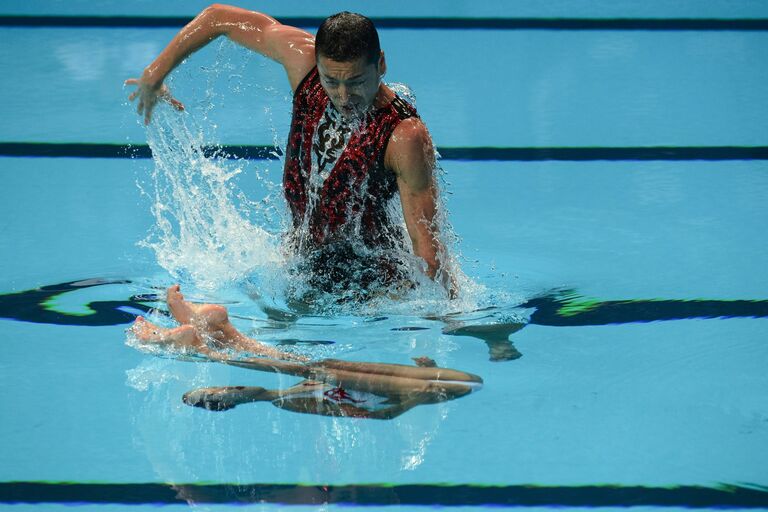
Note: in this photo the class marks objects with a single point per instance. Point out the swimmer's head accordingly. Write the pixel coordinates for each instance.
(346, 37)
(350, 62)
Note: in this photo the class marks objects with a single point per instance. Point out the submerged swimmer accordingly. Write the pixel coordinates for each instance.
(330, 387)
(204, 329)
(353, 145)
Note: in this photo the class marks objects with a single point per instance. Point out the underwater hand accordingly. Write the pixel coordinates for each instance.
(148, 95)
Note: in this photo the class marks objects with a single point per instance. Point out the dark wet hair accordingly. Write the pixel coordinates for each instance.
(347, 36)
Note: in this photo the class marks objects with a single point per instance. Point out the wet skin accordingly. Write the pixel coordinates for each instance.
(355, 86)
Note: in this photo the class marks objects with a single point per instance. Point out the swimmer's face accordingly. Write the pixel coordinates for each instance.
(351, 86)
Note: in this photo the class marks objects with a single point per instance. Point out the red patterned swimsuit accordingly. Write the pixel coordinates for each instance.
(351, 202)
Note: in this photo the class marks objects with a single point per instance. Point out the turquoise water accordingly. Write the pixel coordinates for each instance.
(641, 284)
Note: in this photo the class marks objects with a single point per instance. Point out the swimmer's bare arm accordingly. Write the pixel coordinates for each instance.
(292, 47)
(411, 156)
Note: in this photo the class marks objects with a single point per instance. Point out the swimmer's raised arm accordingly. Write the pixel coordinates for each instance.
(292, 47)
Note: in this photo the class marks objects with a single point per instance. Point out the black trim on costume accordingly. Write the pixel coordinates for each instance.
(306, 77)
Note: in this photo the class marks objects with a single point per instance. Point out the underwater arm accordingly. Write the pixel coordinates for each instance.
(411, 156)
(290, 46)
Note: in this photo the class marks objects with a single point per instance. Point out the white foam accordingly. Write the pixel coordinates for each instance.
(202, 232)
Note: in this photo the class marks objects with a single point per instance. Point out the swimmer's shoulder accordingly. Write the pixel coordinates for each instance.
(410, 147)
(294, 48)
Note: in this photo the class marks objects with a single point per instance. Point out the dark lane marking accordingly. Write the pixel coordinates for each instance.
(37, 306)
(508, 154)
(100, 150)
(566, 308)
(582, 154)
(560, 308)
(453, 23)
(724, 496)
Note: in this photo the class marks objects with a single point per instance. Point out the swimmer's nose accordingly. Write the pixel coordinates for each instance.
(343, 95)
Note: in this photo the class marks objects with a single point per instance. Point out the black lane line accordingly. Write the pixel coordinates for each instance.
(561, 308)
(256, 152)
(607, 153)
(365, 495)
(716, 24)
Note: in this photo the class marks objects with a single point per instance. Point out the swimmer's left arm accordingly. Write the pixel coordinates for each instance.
(411, 156)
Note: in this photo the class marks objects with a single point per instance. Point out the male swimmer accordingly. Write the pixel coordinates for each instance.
(353, 148)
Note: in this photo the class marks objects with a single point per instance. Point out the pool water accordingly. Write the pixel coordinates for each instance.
(616, 295)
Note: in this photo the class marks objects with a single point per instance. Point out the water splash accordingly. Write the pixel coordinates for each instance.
(203, 230)
(208, 234)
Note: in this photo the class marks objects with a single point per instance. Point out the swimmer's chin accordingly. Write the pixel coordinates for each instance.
(353, 113)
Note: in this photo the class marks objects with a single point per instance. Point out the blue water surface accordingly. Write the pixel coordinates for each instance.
(622, 401)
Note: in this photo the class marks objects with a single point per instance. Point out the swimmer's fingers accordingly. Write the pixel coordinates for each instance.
(148, 113)
(148, 95)
(175, 103)
(145, 107)
(134, 94)
(165, 93)
(151, 100)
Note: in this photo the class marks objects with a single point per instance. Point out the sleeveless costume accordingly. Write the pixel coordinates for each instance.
(346, 206)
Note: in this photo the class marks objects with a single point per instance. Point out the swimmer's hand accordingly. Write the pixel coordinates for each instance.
(149, 94)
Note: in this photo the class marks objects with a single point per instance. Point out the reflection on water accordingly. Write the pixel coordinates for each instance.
(327, 449)
(261, 443)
